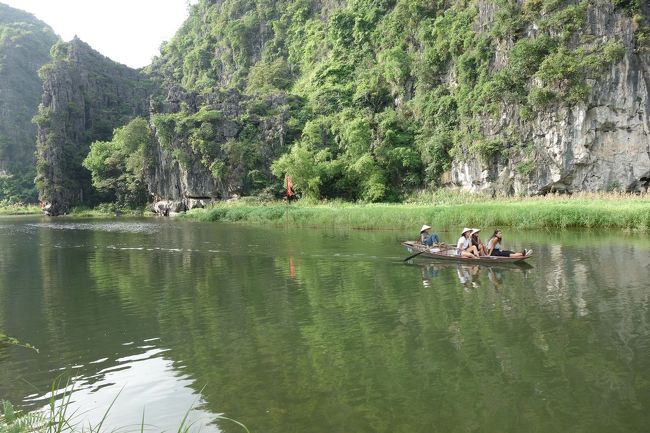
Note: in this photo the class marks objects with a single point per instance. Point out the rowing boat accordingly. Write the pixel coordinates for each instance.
(445, 252)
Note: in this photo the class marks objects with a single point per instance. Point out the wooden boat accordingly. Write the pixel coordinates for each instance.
(447, 252)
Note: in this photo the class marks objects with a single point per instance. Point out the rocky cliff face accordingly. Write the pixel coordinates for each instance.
(202, 155)
(599, 144)
(24, 47)
(85, 96)
(588, 131)
(521, 97)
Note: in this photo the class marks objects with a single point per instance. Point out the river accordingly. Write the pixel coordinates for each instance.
(322, 331)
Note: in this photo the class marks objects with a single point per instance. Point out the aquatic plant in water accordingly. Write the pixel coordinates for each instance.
(58, 419)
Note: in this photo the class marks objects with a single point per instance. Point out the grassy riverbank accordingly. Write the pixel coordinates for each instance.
(441, 210)
(105, 210)
(58, 416)
(19, 209)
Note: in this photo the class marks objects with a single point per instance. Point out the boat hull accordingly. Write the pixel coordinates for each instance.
(449, 254)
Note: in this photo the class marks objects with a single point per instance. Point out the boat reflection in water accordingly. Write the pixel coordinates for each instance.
(471, 275)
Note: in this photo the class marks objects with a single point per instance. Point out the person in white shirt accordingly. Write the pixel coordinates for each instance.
(464, 247)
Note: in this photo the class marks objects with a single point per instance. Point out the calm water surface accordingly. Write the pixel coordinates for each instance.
(322, 331)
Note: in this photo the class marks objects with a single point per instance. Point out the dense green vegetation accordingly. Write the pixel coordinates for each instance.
(389, 91)
(442, 209)
(11, 208)
(234, 139)
(117, 166)
(362, 100)
(447, 209)
(24, 46)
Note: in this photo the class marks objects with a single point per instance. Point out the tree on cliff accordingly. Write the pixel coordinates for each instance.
(117, 166)
(365, 99)
(393, 92)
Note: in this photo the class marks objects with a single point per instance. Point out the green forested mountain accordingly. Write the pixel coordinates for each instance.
(24, 47)
(362, 100)
(389, 95)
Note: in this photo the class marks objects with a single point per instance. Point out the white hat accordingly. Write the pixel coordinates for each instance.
(475, 230)
(424, 227)
(465, 230)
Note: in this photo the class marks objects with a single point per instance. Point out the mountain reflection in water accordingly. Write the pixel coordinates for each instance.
(322, 330)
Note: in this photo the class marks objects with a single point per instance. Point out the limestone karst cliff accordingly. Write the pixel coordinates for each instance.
(24, 47)
(366, 100)
(599, 143)
(509, 97)
(215, 145)
(85, 96)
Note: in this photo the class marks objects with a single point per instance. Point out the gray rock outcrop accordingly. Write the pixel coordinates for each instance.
(182, 172)
(600, 144)
(85, 96)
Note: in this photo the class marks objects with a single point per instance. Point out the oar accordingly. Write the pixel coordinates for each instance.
(440, 245)
(416, 254)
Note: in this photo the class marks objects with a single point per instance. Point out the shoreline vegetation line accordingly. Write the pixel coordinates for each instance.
(443, 209)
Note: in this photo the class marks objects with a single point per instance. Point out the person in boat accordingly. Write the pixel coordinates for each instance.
(494, 247)
(464, 247)
(426, 238)
(478, 243)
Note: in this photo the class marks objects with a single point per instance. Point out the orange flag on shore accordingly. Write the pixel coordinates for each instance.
(289, 187)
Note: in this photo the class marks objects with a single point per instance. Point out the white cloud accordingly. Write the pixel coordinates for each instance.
(127, 31)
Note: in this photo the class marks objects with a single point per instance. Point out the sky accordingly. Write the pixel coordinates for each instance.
(126, 31)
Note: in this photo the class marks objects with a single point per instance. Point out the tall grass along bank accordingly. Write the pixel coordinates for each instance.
(19, 209)
(613, 211)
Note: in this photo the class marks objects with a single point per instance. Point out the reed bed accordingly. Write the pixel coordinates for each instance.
(19, 209)
(444, 210)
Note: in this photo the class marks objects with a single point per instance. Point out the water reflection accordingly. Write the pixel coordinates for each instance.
(316, 330)
(163, 393)
(471, 275)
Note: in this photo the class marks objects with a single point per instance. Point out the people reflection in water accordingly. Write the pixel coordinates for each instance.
(495, 277)
(428, 272)
(468, 275)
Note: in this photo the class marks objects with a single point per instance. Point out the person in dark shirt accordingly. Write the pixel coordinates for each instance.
(478, 243)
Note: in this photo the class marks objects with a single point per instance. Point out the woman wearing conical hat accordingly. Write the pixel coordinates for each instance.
(478, 243)
(464, 247)
(426, 238)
